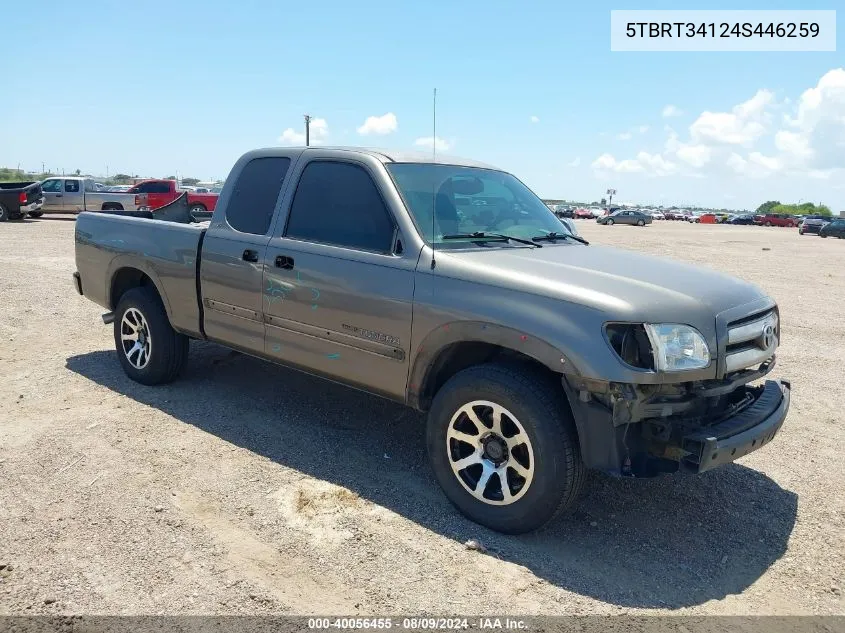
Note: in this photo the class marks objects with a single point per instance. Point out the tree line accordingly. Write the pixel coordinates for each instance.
(19, 175)
(806, 208)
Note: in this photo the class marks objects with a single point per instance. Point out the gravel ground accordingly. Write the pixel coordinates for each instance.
(248, 488)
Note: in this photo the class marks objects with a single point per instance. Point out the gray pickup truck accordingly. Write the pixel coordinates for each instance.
(74, 194)
(450, 287)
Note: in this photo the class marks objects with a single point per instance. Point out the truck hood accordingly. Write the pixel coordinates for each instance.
(620, 283)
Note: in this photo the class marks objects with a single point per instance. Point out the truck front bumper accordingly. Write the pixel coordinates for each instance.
(740, 434)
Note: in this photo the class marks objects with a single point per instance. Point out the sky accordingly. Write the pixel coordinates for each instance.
(532, 87)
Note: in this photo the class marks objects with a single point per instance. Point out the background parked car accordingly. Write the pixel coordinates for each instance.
(812, 224)
(776, 219)
(744, 218)
(657, 215)
(625, 217)
(705, 218)
(584, 214)
(833, 229)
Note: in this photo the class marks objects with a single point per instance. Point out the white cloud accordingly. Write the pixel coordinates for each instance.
(535, 119)
(624, 136)
(384, 124)
(694, 155)
(642, 129)
(605, 161)
(574, 162)
(649, 164)
(319, 132)
(438, 143)
(670, 111)
(818, 139)
(743, 125)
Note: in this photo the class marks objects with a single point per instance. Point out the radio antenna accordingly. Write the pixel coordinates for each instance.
(433, 181)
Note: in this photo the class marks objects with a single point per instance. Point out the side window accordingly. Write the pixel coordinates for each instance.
(338, 203)
(159, 187)
(250, 209)
(72, 186)
(52, 186)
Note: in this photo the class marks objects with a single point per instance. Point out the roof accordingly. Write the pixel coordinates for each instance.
(394, 155)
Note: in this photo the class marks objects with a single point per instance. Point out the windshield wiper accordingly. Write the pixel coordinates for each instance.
(551, 237)
(480, 236)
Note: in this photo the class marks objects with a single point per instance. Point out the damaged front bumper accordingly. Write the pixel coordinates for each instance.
(643, 430)
(740, 434)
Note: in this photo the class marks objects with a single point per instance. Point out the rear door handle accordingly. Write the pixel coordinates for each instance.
(250, 255)
(58, 195)
(284, 262)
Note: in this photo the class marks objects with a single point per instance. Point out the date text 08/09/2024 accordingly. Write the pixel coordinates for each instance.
(419, 623)
(722, 30)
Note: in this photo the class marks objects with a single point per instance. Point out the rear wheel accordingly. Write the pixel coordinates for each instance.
(150, 350)
(504, 448)
(640, 222)
(198, 208)
(4, 213)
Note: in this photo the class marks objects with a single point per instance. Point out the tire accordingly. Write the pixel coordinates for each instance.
(609, 222)
(822, 235)
(166, 350)
(534, 406)
(197, 208)
(640, 223)
(36, 214)
(767, 224)
(4, 214)
(800, 231)
(112, 207)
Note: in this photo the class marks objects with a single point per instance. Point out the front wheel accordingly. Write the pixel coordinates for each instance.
(640, 223)
(767, 224)
(151, 352)
(36, 214)
(503, 447)
(609, 222)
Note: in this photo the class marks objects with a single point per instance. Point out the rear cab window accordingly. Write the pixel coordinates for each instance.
(252, 204)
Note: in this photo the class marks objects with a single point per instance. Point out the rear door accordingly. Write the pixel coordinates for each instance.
(233, 255)
(74, 198)
(53, 194)
(338, 284)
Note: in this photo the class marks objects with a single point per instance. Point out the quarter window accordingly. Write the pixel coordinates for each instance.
(253, 201)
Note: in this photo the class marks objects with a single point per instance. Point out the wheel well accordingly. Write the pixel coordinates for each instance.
(112, 206)
(197, 204)
(459, 356)
(124, 280)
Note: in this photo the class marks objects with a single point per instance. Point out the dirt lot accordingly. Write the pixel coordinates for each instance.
(247, 488)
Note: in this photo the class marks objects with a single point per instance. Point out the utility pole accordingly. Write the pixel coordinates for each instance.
(610, 193)
(307, 130)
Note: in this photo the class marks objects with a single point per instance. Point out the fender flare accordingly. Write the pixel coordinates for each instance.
(129, 262)
(448, 334)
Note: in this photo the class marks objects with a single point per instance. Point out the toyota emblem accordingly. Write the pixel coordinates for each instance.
(768, 336)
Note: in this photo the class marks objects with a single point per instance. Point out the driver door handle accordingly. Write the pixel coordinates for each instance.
(250, 255)
(284, 262)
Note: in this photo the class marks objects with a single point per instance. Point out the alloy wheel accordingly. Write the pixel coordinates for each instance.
(490, 453)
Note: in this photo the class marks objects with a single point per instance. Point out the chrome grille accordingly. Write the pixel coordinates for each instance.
(751, 340)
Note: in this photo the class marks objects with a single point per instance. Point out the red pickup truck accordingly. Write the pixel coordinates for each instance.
(154, 194)
(776, 219)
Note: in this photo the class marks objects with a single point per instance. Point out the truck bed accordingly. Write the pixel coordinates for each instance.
(167, 252)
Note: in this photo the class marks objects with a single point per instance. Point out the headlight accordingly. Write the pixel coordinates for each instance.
(677, 347)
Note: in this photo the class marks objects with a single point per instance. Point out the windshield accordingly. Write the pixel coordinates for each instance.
(469, 200)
